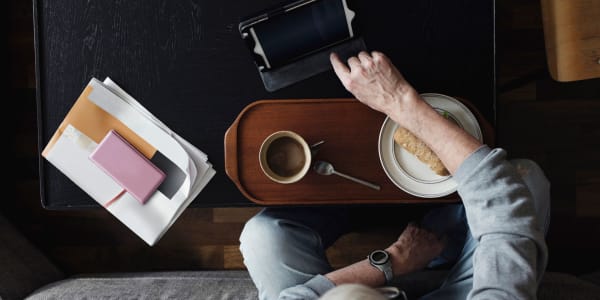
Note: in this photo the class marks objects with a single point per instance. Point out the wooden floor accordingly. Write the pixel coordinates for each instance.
(557, 125)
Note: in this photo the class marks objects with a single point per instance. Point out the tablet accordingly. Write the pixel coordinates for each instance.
(285, 34)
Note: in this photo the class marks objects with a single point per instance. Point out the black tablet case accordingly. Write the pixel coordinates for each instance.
(303, 68)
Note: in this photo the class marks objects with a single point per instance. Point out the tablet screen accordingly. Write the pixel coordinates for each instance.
(301, 31)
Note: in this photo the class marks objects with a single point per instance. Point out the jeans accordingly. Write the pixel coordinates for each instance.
(284, 247)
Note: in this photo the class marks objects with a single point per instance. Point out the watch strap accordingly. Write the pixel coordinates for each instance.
(387, 272)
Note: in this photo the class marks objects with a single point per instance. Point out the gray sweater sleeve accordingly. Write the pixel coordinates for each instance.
(512, 255)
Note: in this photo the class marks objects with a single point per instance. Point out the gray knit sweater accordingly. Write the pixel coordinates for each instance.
(511, 256)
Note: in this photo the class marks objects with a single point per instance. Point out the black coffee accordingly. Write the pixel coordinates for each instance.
(285, 157)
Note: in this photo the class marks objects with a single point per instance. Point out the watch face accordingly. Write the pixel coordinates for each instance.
(379, 257)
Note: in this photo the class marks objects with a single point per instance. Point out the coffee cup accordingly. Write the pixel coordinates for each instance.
(285, 157)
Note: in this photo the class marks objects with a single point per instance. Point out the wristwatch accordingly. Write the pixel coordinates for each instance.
(380, 259)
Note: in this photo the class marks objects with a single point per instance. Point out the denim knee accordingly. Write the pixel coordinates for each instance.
(266, 236)
(280, 253)
(259, 242)
(260, 236)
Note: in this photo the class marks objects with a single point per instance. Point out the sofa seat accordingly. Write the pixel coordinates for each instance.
(234, 284)
(230, 284)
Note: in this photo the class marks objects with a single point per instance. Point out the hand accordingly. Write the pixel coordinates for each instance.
(376, 82)
(414, 249)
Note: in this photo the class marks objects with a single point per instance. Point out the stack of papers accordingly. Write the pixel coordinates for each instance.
(102, 107)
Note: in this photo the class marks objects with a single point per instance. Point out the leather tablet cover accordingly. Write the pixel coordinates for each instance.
(309, 66)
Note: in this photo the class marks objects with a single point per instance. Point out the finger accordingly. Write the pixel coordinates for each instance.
(378, 56)
(412, 224)
(412, 227)
(365, 58)
(354, 63)
(340, 69)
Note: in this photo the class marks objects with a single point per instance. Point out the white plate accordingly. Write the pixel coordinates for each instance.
(405, 170)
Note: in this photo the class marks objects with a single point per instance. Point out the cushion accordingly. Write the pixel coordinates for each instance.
(231, 284)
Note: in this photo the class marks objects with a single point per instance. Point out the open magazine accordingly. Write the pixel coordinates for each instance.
(102, 107)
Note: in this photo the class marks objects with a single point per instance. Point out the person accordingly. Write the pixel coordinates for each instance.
(494, 239)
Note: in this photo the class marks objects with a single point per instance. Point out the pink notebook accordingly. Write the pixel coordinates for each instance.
(127, 166)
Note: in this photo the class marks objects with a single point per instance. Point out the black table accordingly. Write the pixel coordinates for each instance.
(186, 62)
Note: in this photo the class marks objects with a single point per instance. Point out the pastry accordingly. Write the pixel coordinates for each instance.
(418, 148)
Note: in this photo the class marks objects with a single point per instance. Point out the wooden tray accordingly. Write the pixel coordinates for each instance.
(350, 130)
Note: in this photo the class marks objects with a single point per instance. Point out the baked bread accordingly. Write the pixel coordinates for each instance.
(418, 148)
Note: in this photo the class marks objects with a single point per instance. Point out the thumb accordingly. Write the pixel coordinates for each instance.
(341, 70)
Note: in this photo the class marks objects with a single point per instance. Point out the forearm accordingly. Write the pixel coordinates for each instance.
(359, 272)
(413, 250)
(450, 143)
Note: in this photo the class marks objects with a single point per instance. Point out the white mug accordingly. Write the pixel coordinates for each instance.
(285, 157)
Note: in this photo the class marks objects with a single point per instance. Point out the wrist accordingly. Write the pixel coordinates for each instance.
(398, 259)
(405, 107)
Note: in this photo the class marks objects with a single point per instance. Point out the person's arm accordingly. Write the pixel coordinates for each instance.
(374, 81)
(411, 252)
(512, 254)
(511, 257)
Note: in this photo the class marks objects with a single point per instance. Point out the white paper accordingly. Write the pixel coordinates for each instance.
(150, 221)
